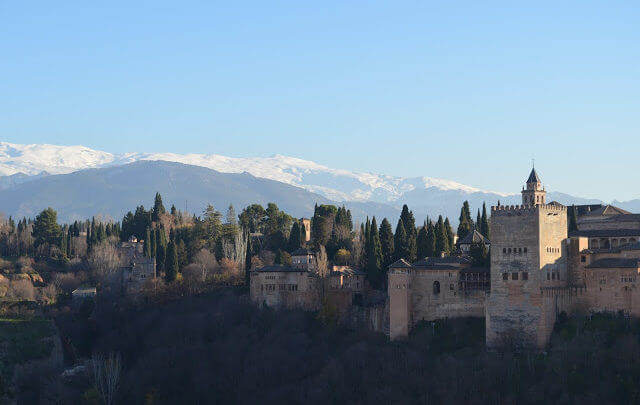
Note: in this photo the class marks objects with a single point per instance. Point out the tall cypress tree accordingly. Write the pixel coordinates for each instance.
(386, 243)
(367, 241)
(147, 243)
(449, 231)
(152, 243)
(374, 259)
(158, 208)
(484, 222)
(431, 240)
(465, 222)
(409, 224)
(295, 240)
(247, 262)
(573, 219)
(442, 239)
(400, 243)
(171, 265)
(422, 242)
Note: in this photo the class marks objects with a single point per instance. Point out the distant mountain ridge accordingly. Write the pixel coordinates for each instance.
(335, 184)
(33, 177)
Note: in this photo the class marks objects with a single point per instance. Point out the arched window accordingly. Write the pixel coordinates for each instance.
(436, 287)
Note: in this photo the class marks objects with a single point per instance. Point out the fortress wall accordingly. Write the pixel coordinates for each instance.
(451, 302)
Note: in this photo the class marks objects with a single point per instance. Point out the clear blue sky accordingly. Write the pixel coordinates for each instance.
(468, 91)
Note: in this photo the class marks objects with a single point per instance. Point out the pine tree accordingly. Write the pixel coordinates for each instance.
(158, 208)
(573, 219)
(478, 222)
(386, 243)
(171, 266)
(484, 222)
(46, 229)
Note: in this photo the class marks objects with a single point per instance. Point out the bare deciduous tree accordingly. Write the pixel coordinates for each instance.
(21, 290)
(104, 260)
(106, 376)
(322, 262)
(205, 262)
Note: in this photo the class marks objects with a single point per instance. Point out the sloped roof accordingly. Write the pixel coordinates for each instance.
(400, 264)
(280, 268)
(533, 177)
(600, 210)
(438, 261)
(615, 263)
(302, 252)
(474, 237)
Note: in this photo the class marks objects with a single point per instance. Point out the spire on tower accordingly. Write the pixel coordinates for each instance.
(533, 177)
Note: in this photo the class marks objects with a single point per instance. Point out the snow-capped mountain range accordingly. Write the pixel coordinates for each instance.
(19, 163)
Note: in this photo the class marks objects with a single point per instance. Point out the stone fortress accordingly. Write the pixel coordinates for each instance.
(537, 270)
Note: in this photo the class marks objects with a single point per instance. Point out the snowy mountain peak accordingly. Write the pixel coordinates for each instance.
(335, 184)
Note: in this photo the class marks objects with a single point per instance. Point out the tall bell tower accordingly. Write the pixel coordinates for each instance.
(534, 193)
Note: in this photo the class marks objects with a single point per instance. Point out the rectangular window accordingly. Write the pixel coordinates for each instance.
(525, 276)
(548, 276)
(514, 276)
(553, 275)
(451, 287)
(505, 276)
(525, 250)
(583, 259)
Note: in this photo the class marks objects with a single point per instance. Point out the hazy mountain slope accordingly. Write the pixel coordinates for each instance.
(113, 191)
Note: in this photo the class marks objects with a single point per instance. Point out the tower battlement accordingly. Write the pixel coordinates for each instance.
(508, 210)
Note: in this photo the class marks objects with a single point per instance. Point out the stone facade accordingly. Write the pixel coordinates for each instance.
(434, 288)
(137, 269)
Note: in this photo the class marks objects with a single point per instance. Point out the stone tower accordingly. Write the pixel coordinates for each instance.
(534, 193)
(527, 260)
